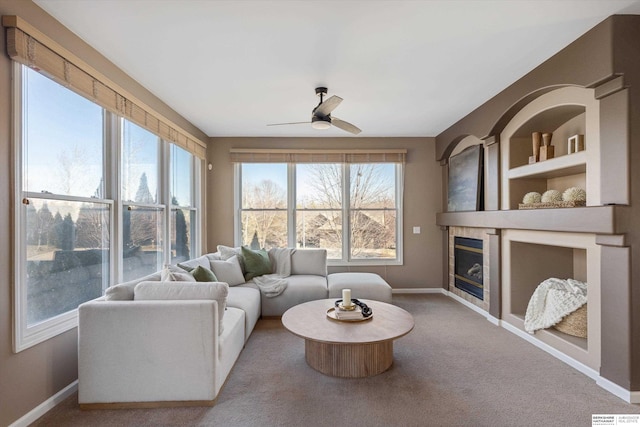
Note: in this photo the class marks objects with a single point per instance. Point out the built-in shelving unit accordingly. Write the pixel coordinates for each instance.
(543, 243)
(563, 113)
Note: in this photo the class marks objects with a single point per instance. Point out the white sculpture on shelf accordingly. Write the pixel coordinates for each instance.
(574, 194)
(532, 197)
(551, 196)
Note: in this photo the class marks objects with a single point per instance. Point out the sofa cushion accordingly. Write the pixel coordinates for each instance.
(362, 285)
(228, 271)
(124, 291)
(247, 298)
(193, 263)
(300, 288)
(227, 252)
(203, 274)
(185, 291)
(256, 263)
(173, 273)
(309, 261)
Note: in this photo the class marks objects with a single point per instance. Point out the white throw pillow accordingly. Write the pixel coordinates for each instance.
(193, 263)
(228, 271)
(124, 291)
(173, 273)
(121, 292)
(227, 252)
(145, 291)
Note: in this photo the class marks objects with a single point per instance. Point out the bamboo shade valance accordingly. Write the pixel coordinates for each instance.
(249, 155)
(29, 47)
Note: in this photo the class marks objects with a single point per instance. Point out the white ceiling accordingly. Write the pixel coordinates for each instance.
(404, 68)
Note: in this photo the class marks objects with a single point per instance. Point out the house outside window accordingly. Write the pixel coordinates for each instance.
(349, 209)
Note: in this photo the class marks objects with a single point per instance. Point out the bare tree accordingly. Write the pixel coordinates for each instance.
(263, 200)
(372, 227)
(72, 171)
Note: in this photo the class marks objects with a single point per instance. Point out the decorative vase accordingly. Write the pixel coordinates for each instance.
(546, 151)
(536, 140)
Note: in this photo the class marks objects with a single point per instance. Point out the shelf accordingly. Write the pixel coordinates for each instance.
(570, 164)
(590, 219)
(557, 339)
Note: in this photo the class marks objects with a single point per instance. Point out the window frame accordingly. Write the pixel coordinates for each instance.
(292, 212)
(25, 336)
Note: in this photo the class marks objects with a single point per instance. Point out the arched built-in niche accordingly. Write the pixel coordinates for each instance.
(564, 112)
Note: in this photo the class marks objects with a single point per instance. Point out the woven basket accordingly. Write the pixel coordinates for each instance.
(551, 205)
(575, 323)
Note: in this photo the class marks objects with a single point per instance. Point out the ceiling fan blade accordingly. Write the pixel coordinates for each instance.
(327, 106)
(291, 123)
(345, 125)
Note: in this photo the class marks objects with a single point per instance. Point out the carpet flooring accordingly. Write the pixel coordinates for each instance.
(454, 369)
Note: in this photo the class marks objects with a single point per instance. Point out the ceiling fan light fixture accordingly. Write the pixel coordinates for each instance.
(320, 123)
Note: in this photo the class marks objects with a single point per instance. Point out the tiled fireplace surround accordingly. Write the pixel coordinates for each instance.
(473, 233)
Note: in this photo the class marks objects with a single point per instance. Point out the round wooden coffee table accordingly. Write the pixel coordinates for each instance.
(348, 349)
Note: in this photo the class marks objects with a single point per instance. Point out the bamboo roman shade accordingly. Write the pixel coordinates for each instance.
(254, 155)
(28, 46)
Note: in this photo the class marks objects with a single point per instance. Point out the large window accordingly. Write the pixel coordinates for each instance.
(183, 204)
(143, 212)
(350, 209)
(99, 200)
(64, 221)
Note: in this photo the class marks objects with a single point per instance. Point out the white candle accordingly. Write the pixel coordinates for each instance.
(346, 297)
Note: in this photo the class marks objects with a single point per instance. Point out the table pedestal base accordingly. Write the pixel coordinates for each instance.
(349, 360)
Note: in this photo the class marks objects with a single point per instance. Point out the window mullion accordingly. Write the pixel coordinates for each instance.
(346, 216)
(165, 196)
(291, 205)
(112, 189)
(237, 204)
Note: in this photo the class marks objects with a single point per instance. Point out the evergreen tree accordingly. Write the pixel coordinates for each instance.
(32, 225)
(54, 232)
(45, 221)
(182, 238)
(143, 195)
(67, 234)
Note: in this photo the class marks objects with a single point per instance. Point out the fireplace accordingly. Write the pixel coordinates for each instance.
(468, 266)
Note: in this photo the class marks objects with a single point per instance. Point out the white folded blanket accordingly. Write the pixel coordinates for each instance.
(272, 285)
(552, 300)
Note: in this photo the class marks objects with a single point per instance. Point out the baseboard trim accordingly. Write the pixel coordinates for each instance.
(579, 366)
(611, 387)
(621, 392)
(473, 307)
(46, 406)
(418, 291)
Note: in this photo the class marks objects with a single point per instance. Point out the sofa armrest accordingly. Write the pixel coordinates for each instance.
(147, 351)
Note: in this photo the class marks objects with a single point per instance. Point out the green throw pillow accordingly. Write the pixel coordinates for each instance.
(203, 274)
(256, 262)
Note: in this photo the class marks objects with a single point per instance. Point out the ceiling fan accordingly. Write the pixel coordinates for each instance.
(321, 115)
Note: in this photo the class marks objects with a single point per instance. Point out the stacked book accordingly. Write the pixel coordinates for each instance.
(343, 314)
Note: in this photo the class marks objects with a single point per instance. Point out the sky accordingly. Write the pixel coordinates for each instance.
(64, 152)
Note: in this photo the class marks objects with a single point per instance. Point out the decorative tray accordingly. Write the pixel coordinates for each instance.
(331, 314)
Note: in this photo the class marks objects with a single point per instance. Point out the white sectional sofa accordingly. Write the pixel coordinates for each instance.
(154, 342)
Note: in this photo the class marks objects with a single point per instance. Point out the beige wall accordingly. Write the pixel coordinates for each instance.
(32, 376)
(422, 199)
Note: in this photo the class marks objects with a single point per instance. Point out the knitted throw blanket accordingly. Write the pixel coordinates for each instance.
(552, 300)
(272, 285)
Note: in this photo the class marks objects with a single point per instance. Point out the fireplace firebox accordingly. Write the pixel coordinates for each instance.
(468, 265)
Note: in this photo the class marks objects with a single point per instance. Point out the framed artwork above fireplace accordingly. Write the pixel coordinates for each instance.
(465, 180)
